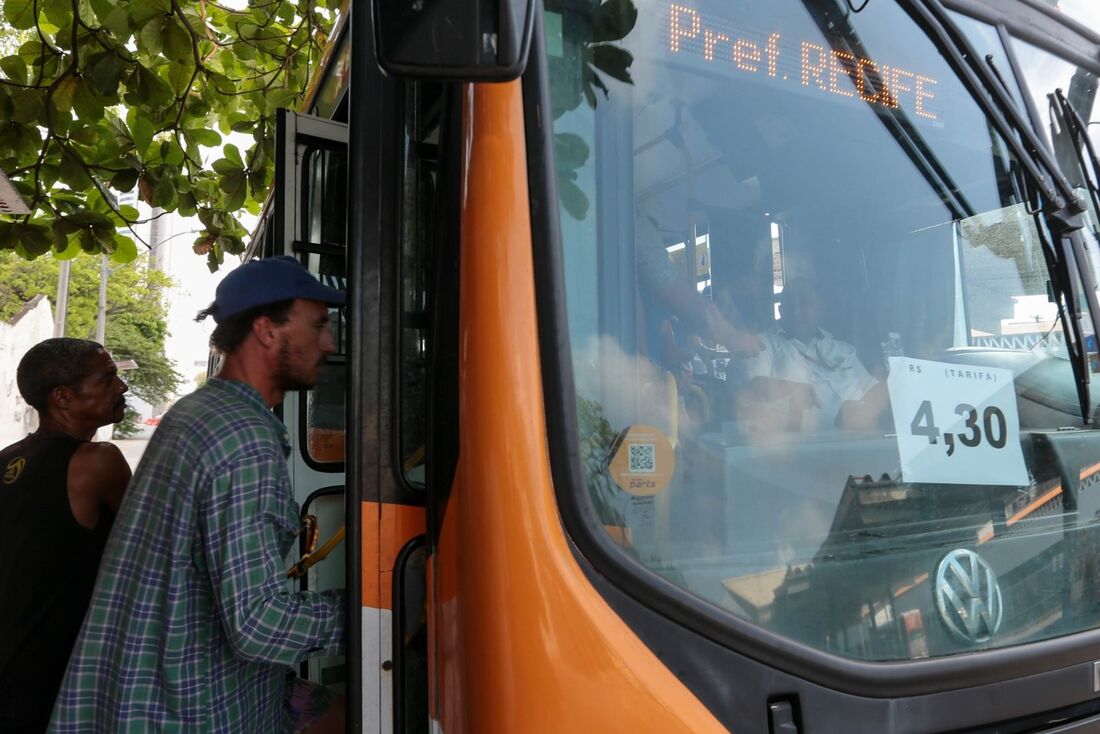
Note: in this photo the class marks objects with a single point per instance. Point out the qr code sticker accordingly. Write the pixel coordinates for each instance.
(643, 458)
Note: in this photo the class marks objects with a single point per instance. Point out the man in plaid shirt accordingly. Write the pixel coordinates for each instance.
(191, 626)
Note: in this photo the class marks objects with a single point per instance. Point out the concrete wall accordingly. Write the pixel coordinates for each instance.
(33, 324)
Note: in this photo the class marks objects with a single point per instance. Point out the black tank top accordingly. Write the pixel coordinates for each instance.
(48, 563)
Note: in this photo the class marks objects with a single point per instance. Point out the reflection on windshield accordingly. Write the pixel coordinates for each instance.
(821, 367)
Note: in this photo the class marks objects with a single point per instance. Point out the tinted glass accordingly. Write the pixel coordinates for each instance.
(324, 218)
(423, 117)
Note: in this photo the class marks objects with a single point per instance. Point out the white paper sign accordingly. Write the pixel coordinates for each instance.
(956, 423)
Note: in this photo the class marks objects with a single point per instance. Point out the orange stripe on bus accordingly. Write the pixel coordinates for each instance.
(1035, 504)
(1088, 471)
(387, 528)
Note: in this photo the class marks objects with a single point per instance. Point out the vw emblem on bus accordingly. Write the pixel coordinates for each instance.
(968, 596)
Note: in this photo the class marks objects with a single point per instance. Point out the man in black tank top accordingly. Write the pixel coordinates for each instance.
(58, 496)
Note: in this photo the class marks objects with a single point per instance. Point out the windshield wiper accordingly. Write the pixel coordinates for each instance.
(1064, 207)
(836, 26)
(1070, 121)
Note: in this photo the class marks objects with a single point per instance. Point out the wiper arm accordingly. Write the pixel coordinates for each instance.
(1086, 155)
(1064, 206)
(835, 26)
(1065, 298)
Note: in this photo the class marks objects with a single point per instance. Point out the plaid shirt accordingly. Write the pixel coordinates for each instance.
(191, 627)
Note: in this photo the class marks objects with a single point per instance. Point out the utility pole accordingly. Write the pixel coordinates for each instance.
(101, 317)
(62, 299)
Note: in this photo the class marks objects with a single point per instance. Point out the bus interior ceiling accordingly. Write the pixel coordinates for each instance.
(739, 158)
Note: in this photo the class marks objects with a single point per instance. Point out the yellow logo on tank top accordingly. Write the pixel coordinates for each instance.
(14, 469)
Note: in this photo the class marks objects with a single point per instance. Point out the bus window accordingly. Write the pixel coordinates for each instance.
(824, 467)
(1084, 12)
(324, 191)
(423, 118)
(1045, 74)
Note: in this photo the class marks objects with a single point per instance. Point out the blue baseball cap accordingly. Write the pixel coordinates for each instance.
(272, 279)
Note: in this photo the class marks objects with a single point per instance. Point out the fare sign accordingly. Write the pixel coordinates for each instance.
(956, 424)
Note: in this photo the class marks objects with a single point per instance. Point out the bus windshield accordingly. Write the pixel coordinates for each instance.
(821, 363)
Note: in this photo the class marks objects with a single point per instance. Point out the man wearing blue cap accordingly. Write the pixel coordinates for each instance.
(191, 626)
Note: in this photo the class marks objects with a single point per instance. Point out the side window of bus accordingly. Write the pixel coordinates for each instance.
(423, 117)
(324, 253)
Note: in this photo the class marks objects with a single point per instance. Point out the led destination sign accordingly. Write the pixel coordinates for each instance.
(813, 65)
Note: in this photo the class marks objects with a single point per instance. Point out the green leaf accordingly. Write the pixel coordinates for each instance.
(225, 166)
(179, 76)
(60, 12)
(570, 151)
(142, 12)
(165, 194)
(612, 21)
(124, 180)
(151, 38)
(204, 137)
(177, 41)
(234, 154)
(146, 89)
(102, 8)
(280, 98)
(14, 68)
(86, 135)
(19, 13)
(87, 219)
(36, 239)
(68, 250)
(232, 182)
(64, 92)
(236, 189)
(142, 132)
(88, 105)
(128, 212)
(117, 21)
(105, 70)
(125, 250)
(87, 241)
(573, 199)
(613, 61)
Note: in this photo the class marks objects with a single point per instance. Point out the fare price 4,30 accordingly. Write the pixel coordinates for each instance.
(956, 423)
(992, 429)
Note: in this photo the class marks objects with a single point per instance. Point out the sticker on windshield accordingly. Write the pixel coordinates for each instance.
(956, 423)
(641, 460)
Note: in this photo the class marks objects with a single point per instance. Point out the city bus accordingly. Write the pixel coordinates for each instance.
(707, 365)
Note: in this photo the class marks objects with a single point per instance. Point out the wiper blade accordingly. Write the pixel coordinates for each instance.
(835, 26)
(1064, 206)
(1083, 149)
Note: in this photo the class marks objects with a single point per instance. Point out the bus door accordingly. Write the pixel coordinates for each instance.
(359, 436)
(308, 222)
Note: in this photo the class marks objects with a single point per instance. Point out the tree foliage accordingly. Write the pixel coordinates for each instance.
(135, 314)
(105, 96)
(591, 52)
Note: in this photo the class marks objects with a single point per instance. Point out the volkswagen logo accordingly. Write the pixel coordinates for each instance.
(968, 596)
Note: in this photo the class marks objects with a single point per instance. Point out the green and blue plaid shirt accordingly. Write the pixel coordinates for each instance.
(192, 627)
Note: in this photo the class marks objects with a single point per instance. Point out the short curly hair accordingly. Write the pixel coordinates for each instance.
(57, 362)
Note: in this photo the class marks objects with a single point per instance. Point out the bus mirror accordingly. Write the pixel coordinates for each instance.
(453, 39)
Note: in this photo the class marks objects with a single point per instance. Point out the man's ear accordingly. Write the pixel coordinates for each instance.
(60, 397)
(265, 331)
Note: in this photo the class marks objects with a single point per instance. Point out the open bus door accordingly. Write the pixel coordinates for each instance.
(358, 450)
(311, 170)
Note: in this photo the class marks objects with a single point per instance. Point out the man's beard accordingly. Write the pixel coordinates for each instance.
(286, 379)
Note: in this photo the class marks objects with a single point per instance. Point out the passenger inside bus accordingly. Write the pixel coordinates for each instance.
(805, 378)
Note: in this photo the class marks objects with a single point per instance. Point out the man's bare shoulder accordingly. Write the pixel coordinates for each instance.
(99, 470)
